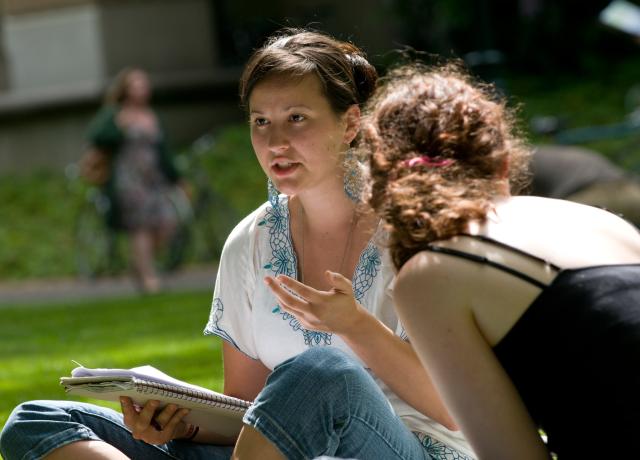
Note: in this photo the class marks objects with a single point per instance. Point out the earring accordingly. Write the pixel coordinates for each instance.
(353, 177)
(272, 193)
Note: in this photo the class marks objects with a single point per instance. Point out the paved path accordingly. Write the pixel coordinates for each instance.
(72, 289)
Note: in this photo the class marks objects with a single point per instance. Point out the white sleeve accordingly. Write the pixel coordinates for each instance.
(400, 332)
(231, 310)
(389, 287)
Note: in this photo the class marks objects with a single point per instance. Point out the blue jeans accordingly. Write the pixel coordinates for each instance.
(319, 403)
(36, 428)
(323, 403)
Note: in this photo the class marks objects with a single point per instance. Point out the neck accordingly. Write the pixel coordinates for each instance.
(334, 220)
(325, 210)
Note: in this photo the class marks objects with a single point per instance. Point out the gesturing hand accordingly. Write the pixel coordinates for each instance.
(335, 310)
(153, 426)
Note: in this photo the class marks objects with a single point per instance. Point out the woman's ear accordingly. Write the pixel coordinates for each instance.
(352, 123)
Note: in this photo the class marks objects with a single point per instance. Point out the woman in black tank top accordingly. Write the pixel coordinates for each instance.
(524, 310)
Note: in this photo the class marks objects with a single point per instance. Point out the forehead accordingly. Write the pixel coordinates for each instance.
(282, 89)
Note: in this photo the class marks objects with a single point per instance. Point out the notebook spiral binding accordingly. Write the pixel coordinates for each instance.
(187, 394)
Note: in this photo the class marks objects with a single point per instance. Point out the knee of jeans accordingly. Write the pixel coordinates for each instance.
(37, 410)
(329, 366)
(27, 418)
(13, 426)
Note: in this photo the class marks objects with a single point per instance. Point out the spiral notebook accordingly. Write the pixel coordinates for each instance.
(215, 411)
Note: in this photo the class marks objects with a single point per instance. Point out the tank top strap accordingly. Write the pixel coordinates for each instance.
(486, 261)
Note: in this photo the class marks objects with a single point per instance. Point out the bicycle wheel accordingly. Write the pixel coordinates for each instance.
(95, 243)
(174, 252)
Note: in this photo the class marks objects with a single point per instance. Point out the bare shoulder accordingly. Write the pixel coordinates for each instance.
(547, 210)
(565, 233)
(414, 272)
(433, 281)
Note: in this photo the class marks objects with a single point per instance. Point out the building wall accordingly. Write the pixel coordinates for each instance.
(52, 140)
(27, 6)
(61, 54)
(4, 81)
(162, 36)
(52, 48)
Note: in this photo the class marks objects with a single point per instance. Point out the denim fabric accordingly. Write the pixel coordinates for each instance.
(36, 428)
(323, 403)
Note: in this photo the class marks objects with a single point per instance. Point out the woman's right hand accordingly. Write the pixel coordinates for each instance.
(151, 426)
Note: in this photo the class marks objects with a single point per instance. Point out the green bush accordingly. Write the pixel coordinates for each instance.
(36, 221)
(234, 170)
(38, 211)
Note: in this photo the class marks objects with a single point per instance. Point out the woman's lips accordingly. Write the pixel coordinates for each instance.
(284, 168)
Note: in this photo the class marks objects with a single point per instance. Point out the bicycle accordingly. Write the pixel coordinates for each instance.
(564, 168)
(205, 219)
(556, 130)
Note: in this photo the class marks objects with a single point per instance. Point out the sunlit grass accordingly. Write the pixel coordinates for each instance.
(38, 342)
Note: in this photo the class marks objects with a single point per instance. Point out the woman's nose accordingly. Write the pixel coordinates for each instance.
(278, 140)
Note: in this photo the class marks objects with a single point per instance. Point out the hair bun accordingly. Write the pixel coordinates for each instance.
(365, 76)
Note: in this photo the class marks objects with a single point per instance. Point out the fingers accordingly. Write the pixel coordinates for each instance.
(339, 281)
(129, 411)
(169, 417)
(150, 424)
(285, 297)
(300, 289)
(143, 421)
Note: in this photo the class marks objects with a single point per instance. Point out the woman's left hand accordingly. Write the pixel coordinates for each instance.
(327, 311)
(152, 424)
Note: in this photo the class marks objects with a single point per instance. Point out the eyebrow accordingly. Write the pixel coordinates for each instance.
(286, 109)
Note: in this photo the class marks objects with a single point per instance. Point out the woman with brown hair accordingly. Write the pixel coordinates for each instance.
(302, 298)
(525, 310)
(142, 179)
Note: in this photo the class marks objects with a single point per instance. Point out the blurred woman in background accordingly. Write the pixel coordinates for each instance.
(141, 177)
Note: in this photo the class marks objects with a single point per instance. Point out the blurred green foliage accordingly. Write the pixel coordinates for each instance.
(37, 212)
(609, 96)
(234, 170)
(95, 334)
(36, 222)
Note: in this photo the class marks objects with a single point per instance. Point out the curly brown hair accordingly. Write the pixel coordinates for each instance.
(439, 145)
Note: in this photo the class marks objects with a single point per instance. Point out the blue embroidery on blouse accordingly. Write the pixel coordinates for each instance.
(283, 258)
(366, 271)
(214, 319)
(439, 450)
(283, 261)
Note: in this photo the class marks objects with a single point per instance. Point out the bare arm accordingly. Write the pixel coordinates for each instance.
(396, 363)
(244, 378)
(389, 357)
(436, 310)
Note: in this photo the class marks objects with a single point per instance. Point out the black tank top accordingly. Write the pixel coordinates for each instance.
(574, 357)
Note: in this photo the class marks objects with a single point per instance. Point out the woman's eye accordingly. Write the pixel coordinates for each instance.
(297, 118)
(260, 121)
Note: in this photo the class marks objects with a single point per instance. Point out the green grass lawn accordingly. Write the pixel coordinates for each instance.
(38, 342)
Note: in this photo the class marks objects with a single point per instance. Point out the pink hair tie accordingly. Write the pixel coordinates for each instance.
(425, 160)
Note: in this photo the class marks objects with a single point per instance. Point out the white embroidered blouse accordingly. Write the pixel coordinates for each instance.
(246, 313)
